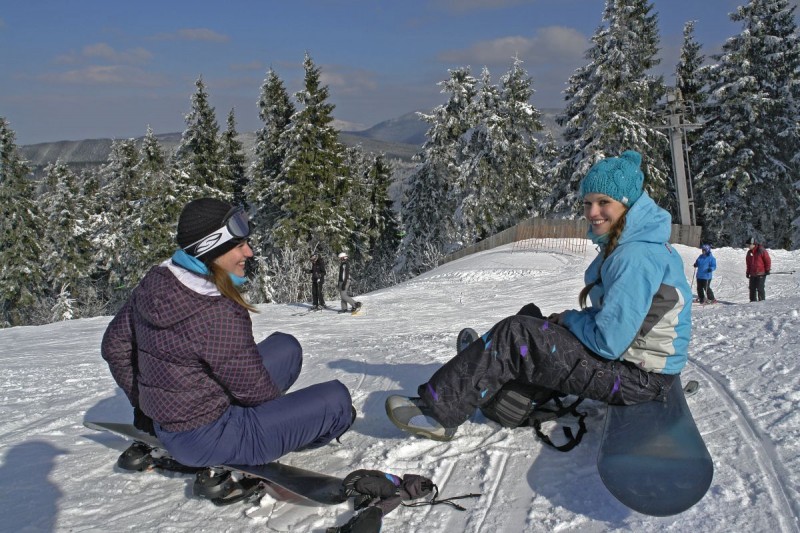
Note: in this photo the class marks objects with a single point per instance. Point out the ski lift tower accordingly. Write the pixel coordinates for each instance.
(674, 113)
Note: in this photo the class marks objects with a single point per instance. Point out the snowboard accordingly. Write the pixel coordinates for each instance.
(465, 337)
(652, 457)
(283, 482)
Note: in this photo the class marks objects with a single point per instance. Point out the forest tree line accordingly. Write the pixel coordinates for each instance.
(75, 244)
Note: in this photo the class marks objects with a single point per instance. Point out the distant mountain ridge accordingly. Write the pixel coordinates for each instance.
(397, 138)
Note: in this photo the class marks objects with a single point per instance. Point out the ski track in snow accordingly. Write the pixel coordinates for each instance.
(55, 475)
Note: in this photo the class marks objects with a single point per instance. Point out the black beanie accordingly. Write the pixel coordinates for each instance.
(201, 218)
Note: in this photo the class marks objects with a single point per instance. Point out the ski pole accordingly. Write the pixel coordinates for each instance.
(693, 275)
(783, 272)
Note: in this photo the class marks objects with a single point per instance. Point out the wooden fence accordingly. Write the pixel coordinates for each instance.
(559, 235)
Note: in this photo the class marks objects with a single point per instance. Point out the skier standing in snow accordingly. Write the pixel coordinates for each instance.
(343, 284)
(624, 348)
(706, 264)
(182, 349)
(317, 272)
(758, 265)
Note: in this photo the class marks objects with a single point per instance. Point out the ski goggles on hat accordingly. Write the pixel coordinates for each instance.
(236, 226)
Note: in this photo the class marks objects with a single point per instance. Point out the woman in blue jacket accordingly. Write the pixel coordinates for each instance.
(624, 347)
(706, 264)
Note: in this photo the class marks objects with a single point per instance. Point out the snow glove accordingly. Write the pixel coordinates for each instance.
(143, 422)
(377, 493)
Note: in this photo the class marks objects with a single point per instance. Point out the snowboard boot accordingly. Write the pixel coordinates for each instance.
(136, 458)
(413, 416)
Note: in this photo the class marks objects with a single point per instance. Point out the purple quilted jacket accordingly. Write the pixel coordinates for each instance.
(184, 357)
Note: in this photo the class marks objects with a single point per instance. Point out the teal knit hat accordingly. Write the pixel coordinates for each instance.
(620, 178)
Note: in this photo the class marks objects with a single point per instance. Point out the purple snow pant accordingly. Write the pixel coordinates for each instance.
(538, 352)
(305, 418)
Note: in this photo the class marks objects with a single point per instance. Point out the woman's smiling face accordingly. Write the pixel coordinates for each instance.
(602, 212)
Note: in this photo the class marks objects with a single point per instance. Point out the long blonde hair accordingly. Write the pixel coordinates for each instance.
(225, 285)
(614, 234)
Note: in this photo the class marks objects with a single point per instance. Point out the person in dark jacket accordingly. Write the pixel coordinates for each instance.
(758, 265)
(317, 272)
(182, 350)
(624, 348)
(343, 284)
(706, 264)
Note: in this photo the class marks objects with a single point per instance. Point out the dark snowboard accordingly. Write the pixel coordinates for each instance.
(282, 482)
(652, 457)
(466, 337)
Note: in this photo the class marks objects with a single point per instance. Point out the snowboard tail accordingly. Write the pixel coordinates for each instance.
(283, 482)
(652, 457)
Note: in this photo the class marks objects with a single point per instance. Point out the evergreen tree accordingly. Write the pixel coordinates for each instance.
(688, 73)
(428, 205)
(501, 180)
(22, 280)
(610, 104)
(748, 153)
(114, 226)
(199, 151)
(233, 162)
(163, 192)
(275, 110)
(309, 186)
(66, 248)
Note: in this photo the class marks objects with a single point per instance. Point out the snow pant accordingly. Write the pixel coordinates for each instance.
(305, 418)
(343, 294)
(317, 292)
(704, 291)
(757, 284)
(536, 352)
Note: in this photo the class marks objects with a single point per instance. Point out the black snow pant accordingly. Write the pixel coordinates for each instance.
(757, 284)
(704, 292)
(317, 293)
(538, 352)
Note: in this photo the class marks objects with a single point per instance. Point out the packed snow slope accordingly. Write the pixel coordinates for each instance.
(56, 475)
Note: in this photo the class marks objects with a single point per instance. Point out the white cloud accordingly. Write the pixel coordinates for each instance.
(550, 45)
(106, 52)
(106, 75)
(193, 34)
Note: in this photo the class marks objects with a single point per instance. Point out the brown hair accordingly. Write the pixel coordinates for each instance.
(225, 285)
(613, 239)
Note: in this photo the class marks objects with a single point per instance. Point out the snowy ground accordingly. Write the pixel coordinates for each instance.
(56, 475)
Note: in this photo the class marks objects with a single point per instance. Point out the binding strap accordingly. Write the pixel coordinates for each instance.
(541, 415)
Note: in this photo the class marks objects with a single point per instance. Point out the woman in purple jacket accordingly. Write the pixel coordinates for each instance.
(182, 349)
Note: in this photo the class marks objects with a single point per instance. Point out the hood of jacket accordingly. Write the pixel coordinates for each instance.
(645, 222)
(163, 300)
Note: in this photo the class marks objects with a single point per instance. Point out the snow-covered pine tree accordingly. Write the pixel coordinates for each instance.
(22, 280)
(233, 162)
(689, 77)
(113, 226)
(748, 153)
(199, 152)
(501, 179)
(428, 204)
(308, 187)
(66, 246)
(163, 192)
(610, 103)
(382, 228)
(275, 109)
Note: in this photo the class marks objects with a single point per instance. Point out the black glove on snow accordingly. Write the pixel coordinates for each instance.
(143, 422)
(531, 309)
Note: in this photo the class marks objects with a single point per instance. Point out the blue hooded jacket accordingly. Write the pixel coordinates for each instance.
(706, 265)
(641, 308)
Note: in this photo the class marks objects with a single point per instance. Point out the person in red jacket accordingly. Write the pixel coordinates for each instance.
(758, 267)
(182, 350)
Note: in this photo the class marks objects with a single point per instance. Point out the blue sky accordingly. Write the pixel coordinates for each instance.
(92, 69)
